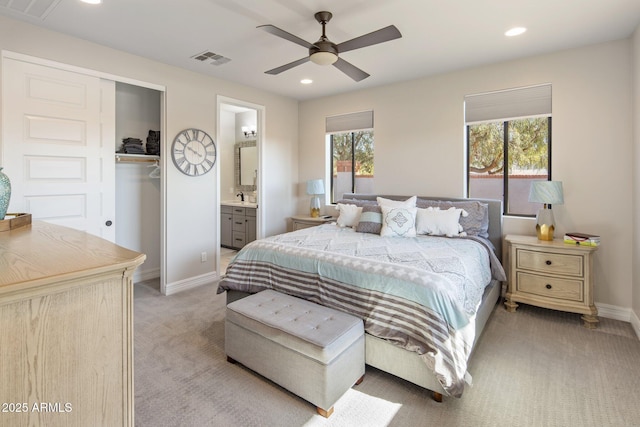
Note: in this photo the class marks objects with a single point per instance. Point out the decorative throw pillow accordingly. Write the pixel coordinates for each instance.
(349, 215)
(358, 202)
(370, 220)
(436, 222)
(398, 221)
(477, 221)
(409, 203)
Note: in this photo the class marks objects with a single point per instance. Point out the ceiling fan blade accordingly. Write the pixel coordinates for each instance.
(382, 35)
(288, 66)
(285, 35)
(350, 70)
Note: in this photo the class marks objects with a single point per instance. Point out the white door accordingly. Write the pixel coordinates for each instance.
(58, 146)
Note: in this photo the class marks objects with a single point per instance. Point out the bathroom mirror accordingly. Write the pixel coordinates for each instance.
(246, 165)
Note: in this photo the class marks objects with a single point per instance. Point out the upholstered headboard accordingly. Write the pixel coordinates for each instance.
(495, 213)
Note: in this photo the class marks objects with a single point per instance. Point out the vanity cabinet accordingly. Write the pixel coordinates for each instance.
(226, 226)
(237, 226)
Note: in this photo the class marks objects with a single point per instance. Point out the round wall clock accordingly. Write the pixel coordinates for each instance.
(193, 152)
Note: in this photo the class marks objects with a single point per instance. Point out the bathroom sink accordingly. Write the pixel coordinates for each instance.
(237, 203)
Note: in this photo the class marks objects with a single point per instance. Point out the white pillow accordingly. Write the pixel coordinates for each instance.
(349, 215)
(398, 221)
(409, 203)
(436, 222)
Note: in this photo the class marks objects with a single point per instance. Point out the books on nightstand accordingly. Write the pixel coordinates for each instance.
(581, 239)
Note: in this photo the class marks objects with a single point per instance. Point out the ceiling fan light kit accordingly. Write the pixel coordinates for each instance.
(325, 52)
(323, 58)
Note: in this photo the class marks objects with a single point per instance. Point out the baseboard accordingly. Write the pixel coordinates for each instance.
(191, 282)
(635, 323)
(619, 313)
(614, 312)
(142, 275)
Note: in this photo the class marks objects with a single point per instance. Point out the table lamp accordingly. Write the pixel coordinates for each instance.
(315, 187)
(549, 193)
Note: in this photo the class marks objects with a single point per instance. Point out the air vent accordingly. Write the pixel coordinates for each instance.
(210, 57)
(38, 9)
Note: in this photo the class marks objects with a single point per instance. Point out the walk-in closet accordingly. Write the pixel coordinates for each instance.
(137, 187)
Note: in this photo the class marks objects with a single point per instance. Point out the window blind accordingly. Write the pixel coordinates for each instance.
(349, 122)
(508, 104)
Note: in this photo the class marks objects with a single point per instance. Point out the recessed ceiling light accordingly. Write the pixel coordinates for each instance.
(515, 31)
(91, 1)
(306, 81)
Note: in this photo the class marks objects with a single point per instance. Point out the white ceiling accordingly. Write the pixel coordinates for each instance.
(437, 35)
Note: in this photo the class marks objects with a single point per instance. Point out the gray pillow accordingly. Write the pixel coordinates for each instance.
(370, 220)
(476, 224)
(357, 202)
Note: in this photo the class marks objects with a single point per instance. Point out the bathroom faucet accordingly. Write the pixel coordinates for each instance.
(241, 194)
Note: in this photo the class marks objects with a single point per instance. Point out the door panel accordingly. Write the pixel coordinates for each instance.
(55, 153)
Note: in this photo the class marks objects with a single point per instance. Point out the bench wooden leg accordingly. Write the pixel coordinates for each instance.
(437, 397)
(325, 413)
(231, 360)
(360, 380)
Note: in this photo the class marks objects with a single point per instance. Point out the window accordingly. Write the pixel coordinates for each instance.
(351, 163)
(508, 145)
(350, 139)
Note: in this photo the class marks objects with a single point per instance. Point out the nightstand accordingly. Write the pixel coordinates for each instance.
(551, 274)
(305, 221)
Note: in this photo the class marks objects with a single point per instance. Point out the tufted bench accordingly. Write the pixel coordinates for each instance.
(313, 351)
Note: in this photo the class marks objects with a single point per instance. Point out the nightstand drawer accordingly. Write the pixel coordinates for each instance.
(551, 287)
(550, 263)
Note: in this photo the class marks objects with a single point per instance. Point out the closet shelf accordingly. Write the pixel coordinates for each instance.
(136, 158)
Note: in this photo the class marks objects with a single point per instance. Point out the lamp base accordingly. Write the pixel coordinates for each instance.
(544, 231)
(545, 224)
(314, 211)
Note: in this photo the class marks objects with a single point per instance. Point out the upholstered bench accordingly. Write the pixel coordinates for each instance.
(313, 351)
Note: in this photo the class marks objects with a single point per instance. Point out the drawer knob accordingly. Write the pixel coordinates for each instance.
(548, 262)
(548, 286)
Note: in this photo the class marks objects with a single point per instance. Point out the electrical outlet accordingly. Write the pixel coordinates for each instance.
(203, 257)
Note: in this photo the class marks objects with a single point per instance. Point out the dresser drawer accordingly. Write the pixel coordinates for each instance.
(551, 287)
(550, 262)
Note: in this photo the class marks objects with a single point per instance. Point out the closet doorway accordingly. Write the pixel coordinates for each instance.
(241, 178)
(137, 175)
(59, 144)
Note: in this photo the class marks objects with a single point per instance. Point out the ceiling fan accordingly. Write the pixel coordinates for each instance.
(325, 52)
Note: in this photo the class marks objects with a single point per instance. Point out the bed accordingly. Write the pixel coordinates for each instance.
(424, 300)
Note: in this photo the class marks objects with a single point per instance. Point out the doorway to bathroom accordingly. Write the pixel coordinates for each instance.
(241, 203)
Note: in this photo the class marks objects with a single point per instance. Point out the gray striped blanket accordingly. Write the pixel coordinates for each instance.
(419, 293)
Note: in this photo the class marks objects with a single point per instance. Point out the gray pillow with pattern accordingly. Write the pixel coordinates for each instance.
(370, 220)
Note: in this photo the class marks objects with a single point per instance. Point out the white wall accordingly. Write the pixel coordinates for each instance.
(225, 147)
(636, 181)
(191, 202)
(420, 149)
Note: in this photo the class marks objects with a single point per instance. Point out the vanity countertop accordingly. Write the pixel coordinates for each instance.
(239, 203)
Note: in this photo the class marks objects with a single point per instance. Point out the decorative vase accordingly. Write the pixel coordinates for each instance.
(5, 193)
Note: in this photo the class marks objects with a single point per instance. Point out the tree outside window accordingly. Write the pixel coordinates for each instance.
(351, 163)
(524, 145)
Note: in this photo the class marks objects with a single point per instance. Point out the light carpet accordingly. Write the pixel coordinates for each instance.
(534, 367)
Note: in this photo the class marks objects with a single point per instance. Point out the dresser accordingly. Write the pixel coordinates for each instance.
(551, 274)
(66, 335)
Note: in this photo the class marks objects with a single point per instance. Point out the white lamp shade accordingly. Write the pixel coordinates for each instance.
(547, 192)
(315, 186)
